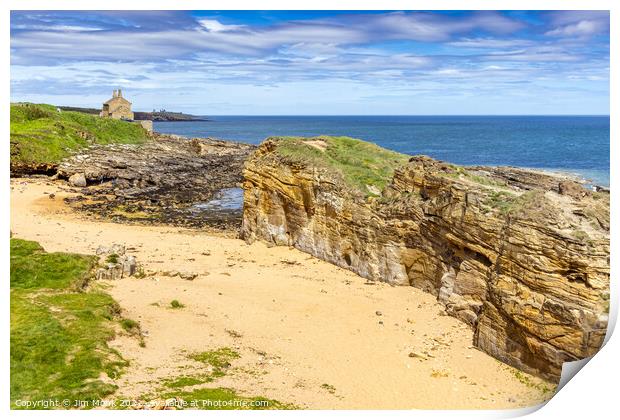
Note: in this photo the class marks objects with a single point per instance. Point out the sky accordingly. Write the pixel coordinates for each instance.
(316, 62)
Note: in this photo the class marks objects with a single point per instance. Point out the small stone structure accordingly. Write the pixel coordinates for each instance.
(118, 107)
(146, 124)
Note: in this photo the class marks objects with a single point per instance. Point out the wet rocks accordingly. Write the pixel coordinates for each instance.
(158, 182)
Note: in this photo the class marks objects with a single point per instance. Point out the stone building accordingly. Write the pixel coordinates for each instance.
(117, 107)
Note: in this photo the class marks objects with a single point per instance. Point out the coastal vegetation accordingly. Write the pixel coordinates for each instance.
(219, 361)
(363, 165)
(59, 331)
(43, 135)
(175, 304)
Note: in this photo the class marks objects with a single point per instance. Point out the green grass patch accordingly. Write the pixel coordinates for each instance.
(216, 398)
(500, 200)
(219, 358)
(42, 135)
(360, 163)
(130, 325)
(59, 334)
(175, 304)
(33, 268)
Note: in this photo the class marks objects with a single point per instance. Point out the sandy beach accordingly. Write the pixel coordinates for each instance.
(309, 333)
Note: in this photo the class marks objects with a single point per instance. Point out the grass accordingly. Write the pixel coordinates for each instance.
(216, 398)
(33, 268)
(500, 200)
(175, 304)
(42, 135)
(527, 381)
(360, 163)
(220, 358)
(59, 333)
(130, 325)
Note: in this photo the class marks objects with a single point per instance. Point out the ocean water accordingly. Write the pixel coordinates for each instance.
(572, 144)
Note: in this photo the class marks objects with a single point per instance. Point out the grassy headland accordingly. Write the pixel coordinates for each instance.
(58, 331)
(41, 136)
(361, 164)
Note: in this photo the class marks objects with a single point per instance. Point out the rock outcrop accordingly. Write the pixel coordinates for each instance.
(158, 181)
(520, 256)
(116, 264)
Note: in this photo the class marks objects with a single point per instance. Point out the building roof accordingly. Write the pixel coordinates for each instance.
(117, 99)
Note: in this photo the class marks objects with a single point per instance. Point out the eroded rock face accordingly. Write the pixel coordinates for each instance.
(526, 267)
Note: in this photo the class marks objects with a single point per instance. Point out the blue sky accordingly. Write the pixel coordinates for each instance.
(316, 63)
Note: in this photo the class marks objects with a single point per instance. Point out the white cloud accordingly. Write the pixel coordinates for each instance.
(70, 28)
(213, 25)
(205, 66)
(581, 28)
(579, 23)
(490, 43)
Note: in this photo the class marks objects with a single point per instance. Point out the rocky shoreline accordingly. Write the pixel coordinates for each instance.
(162, 181)
(520, 256)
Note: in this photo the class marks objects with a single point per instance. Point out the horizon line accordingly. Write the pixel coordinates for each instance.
(390, 115)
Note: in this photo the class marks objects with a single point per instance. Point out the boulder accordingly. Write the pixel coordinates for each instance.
(572, 189)
(77, 180)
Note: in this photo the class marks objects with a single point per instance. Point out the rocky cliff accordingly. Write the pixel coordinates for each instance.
(520, 256)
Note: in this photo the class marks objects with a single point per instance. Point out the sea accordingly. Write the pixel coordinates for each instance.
(577, 145)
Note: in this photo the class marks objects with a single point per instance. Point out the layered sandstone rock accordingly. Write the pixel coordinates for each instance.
(526, 266)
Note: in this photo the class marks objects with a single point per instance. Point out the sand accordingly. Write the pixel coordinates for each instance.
(309, 333)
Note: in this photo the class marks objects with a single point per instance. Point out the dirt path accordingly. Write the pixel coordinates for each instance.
(308, 333)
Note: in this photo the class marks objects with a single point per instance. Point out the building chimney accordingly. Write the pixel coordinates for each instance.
(120, 93)
(114, 93)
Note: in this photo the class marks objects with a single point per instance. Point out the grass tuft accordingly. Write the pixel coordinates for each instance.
(175, 304)
(219, 358)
